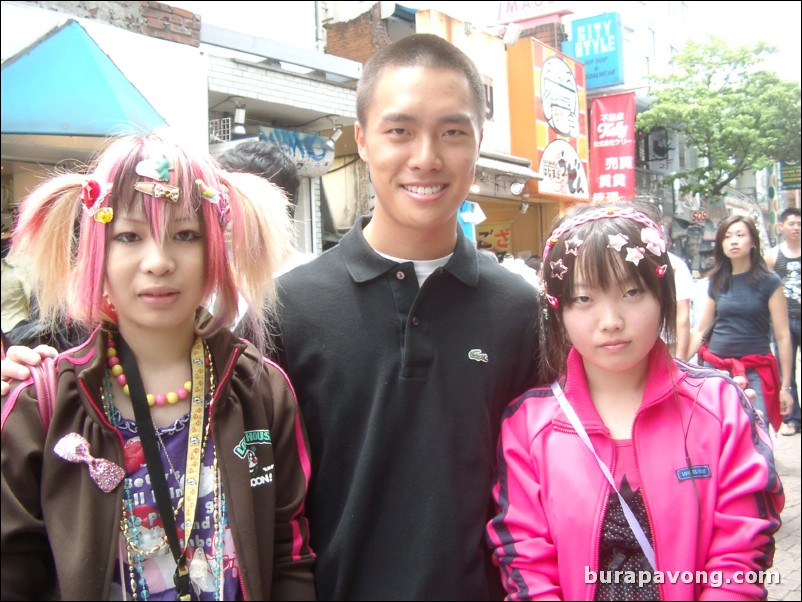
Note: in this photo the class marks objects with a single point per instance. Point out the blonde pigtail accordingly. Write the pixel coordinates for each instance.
(260, 242)
(45, 240)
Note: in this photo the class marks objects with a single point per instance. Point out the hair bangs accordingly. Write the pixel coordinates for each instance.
(613, 273)
(588, 250)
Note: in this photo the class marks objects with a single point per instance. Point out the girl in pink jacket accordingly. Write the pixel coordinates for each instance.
(636, 476)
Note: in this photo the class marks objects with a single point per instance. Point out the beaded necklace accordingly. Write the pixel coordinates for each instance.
(158, 399)
(136, 556)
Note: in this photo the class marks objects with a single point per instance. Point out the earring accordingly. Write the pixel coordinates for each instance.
(109, 305)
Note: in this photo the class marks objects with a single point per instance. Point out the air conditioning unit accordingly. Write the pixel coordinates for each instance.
(219, 130)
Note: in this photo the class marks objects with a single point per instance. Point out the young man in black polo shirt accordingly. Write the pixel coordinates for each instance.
(404, 344)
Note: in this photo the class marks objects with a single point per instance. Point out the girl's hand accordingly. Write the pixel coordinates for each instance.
(18, 358)
(786, 402)
(742, 382)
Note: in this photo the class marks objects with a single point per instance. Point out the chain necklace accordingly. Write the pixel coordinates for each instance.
(173, 471)
(128, 522)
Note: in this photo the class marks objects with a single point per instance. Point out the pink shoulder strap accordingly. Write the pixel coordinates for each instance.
(44, 378)
(45, 381)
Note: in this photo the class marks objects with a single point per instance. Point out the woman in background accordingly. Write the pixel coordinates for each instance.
(744, 303)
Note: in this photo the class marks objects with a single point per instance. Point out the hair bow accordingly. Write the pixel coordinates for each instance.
(156, 190)
(653, 241)
(105, 473)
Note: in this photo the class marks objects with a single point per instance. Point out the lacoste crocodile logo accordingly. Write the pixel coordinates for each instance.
(477, 355)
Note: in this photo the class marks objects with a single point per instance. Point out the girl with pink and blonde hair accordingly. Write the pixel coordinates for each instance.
(175, 463)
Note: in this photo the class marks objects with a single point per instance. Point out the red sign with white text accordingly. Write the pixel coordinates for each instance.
(612, 147)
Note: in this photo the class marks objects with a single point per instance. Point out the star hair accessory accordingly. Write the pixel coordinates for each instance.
(156, 190)
(93, 193)
(572, 246)
(155, 169)
(617, 241)
(604, 213)
(558, 269)
(634, 254)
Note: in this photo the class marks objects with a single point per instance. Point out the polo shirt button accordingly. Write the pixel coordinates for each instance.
(415, 320)
(400, 275)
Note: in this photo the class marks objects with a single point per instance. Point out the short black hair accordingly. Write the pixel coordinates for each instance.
(268, 161)
(419, 50)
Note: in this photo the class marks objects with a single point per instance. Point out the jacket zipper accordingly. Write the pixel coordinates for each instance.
(600, 530)
(115, 528)
(223, 380)
(646, 504)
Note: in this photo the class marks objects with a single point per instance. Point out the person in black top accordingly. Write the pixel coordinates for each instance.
(785, 260)
(404, 345)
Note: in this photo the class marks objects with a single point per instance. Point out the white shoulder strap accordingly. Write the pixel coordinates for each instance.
(580, 430)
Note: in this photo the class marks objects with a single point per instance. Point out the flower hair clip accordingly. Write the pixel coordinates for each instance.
(158, 191)
(93, 193)
(104, 215)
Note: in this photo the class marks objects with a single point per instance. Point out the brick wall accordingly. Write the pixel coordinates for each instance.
(551, 34)
(153, 19)
(359, 38)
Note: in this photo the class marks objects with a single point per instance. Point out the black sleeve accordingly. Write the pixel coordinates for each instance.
(29, 334)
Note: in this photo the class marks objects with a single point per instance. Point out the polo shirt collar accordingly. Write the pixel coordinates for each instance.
(363, 263)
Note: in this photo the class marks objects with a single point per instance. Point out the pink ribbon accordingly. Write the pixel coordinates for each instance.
(105, 473)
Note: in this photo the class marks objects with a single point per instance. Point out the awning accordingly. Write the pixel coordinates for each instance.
(64, 84)
(507, 168)
(503, 176)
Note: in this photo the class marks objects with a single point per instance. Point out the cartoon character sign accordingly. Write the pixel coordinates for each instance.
(559, 96)
(562, 170)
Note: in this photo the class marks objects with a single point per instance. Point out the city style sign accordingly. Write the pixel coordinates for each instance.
(598, 42)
